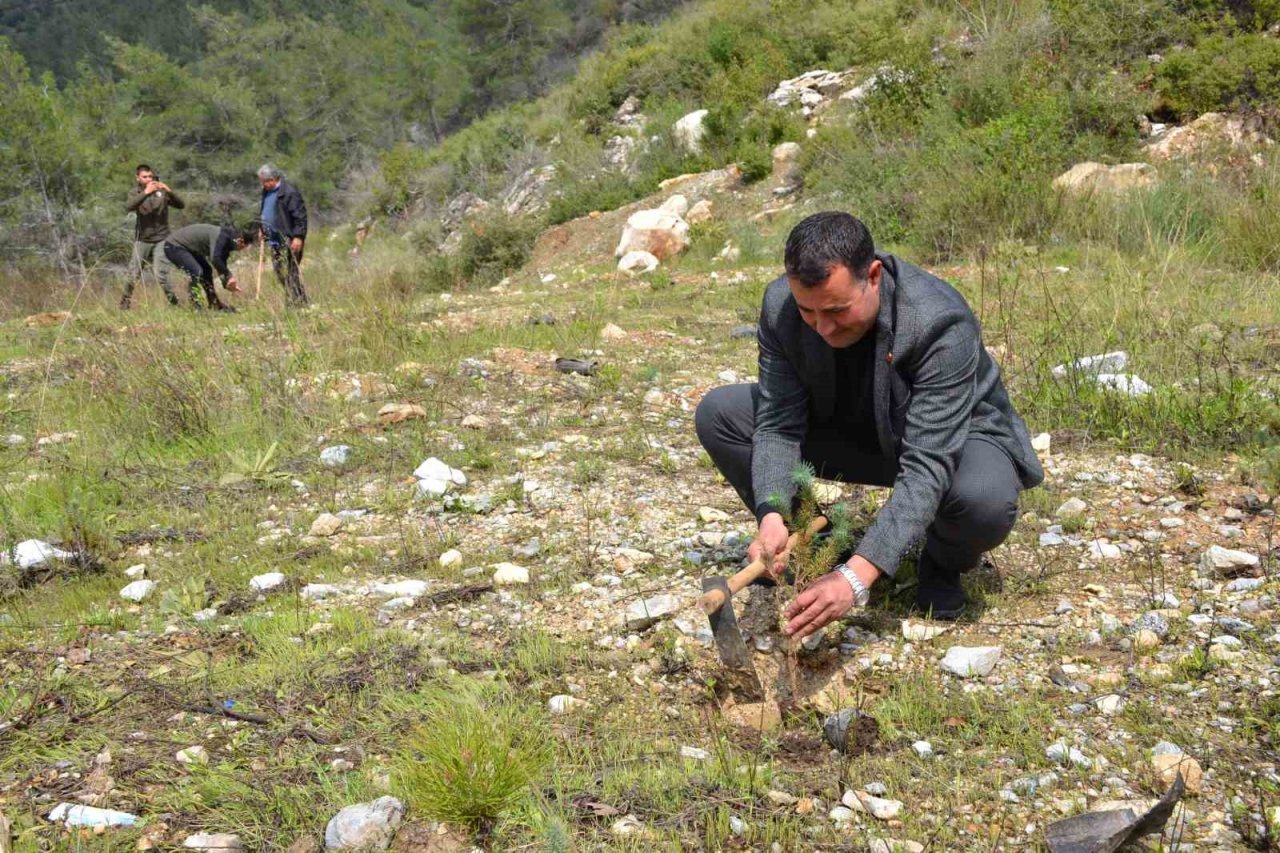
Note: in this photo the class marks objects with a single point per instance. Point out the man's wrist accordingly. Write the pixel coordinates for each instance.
(861, 595)
(860, 575)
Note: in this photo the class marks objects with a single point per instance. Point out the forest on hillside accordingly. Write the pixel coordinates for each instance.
(207, 91)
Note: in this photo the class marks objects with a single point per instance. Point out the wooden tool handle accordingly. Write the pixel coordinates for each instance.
(712, 601)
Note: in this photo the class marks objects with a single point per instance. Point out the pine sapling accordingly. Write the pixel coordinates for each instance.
(810, 555)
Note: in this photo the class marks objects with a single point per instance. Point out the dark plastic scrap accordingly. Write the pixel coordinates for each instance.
(575, 365)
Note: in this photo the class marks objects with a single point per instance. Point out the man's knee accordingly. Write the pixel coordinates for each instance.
(986, 508)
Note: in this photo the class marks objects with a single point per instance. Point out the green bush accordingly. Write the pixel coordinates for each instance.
(399, 170)
(754, 161)
(1220, 73)
(578, 195)
(495, 246)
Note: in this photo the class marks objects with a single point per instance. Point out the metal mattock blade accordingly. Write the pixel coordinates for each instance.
(734, 653)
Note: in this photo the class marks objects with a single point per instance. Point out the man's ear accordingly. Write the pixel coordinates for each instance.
(874, 269)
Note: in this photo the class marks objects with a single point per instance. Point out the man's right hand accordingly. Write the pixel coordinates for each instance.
(771, 543)
(154, 186)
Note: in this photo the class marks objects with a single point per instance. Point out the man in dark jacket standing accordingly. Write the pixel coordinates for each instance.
(150, 200)
(284, 223)
(873, 371)
(199, 250)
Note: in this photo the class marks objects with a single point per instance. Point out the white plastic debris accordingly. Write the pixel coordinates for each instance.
(32, 552)
(220, 841)
(1094, 365)
(70, 815)
(563, 704)
(1125, 383)
(192, 755)
(412, 588)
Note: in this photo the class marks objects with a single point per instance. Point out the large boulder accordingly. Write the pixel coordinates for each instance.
(882, 76)
(461, 207)
(529, 192)
(690, 129)
(1086, 178)
(619, 152)
(810, 88)
(786, 156)
(703, 211)
(628, 114)
(1210, 134)
(662, 233)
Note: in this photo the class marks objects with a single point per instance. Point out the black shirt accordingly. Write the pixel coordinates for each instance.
(854, 416)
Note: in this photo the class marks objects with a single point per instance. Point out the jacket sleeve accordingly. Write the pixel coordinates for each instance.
(297, 213)
(175, 201)
(134, 199)
(782, 419)
(221, 251)
(942, 383)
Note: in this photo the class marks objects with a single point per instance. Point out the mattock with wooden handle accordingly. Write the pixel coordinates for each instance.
(717, 591)
(714, 599)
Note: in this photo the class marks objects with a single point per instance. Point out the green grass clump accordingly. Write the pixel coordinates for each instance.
(474, 758)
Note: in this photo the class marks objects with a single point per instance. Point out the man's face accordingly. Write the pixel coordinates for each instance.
(269, 183)
(145, 177)
(841, 309)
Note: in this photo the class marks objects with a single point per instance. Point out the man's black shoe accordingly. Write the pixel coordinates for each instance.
(938, 591)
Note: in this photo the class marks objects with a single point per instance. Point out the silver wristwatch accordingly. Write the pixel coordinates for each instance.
(861, 595)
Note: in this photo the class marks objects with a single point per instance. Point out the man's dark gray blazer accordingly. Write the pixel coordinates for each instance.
(935, 387)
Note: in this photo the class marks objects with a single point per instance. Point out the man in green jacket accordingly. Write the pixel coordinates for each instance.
(200, 249)
(150, 200)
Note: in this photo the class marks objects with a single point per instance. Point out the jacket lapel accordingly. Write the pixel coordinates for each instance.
(884, 357)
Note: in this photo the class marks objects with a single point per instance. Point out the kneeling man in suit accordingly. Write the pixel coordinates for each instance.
(873, 371)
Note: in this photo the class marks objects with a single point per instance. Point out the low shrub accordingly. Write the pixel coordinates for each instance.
(474, 759)
(1220, 72)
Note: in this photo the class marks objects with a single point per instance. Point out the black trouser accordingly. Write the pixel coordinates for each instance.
(975, 515)
(285, 262)
(198, 270)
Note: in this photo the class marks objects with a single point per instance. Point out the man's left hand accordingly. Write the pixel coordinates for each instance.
(232, 285)
(823, 601)
(295, 245)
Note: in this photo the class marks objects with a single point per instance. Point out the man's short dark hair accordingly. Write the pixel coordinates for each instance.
(823, 240)
(248, 233)
(141, 167)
